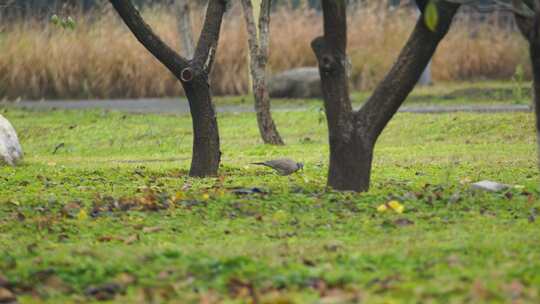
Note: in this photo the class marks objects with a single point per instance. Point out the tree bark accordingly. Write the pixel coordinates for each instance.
(193, 75)
(206, 154)
(185, 31)
(530, 28)
(258, 47)
(353, 134)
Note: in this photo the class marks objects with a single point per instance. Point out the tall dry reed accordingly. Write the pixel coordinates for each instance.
(101, 58)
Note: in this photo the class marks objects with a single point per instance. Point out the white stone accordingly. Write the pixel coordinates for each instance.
(10, 149)
(489, 186)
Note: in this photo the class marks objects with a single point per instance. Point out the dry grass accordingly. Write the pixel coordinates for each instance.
(100, 58)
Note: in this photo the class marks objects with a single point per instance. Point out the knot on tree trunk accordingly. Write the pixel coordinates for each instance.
(186, 75)
(329, 59)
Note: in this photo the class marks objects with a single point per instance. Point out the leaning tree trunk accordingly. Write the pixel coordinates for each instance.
(353, 134)
(193, 74)
(530, 28)
(258, 48)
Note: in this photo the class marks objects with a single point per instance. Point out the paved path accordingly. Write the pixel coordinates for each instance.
(178, 106)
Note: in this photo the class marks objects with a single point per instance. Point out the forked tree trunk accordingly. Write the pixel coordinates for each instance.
(193, 75)
(353, 134)
(530, 28)
(258, 47)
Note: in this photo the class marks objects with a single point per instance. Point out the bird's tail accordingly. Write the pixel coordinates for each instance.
(259, 164)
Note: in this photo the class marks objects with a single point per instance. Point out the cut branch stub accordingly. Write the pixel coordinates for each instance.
(186, 75)
(326, 56)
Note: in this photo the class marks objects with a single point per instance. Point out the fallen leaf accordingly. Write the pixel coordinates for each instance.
(131, 239)
(396, 206)
(391, 205)
(332, 247)
(240, 289)
(71, 210)
(6, 296)
(465, 180)
(82, 215)
(179, 196)
(403, 222)
(338, 296)
(103, 292)
(151, 229)
(106, 238)
(125, 279)
(55, 283)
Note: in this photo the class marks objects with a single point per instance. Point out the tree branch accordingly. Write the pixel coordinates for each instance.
(264, 31)
(184, 28)
(402, 78)
(335, 24)
(250, 26)
(208, 40)
(146, 36)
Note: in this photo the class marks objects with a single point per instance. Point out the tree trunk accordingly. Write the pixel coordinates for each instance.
(530, 28)
(350, 163)
(535, 59)
(206, 154)
(267, 127)
(258, 47)
(193, 74)
(185, 31)
(352, 135)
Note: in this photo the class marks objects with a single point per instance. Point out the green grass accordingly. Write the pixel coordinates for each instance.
(300, 243)
(444, 94)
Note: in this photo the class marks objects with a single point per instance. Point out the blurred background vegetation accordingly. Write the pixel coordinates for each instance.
(99, 58)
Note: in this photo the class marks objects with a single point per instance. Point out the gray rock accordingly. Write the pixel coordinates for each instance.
(296, 83)
(10, 149)
(489, 186)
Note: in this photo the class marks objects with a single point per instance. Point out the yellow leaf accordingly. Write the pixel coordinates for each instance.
(382, 208)
(396, 206)
(205, 197)
(179, 196)
(431, 15)
(82, 215)
(465, 180)
(279, 216)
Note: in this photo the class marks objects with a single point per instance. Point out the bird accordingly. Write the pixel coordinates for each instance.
(283, 166)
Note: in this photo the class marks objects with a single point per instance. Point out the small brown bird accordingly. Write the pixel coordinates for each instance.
(283, 166)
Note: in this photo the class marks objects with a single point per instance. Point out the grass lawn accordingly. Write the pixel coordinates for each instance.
(102, 208)
(443, 94)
